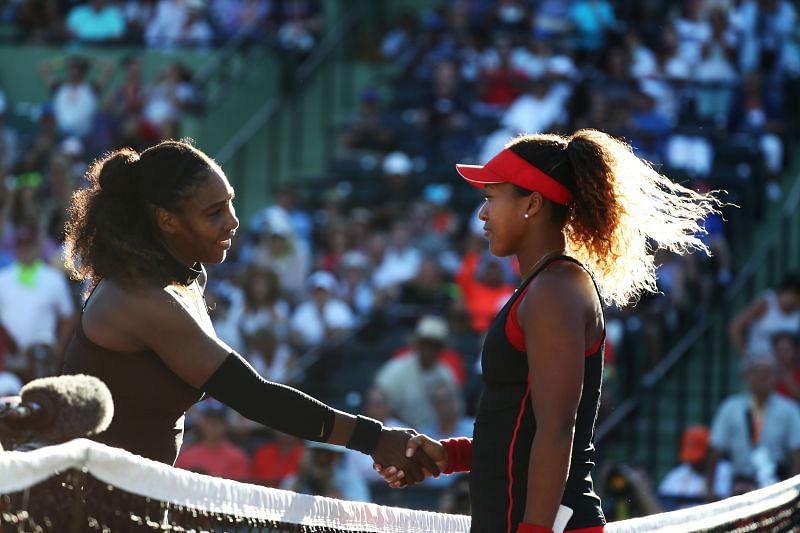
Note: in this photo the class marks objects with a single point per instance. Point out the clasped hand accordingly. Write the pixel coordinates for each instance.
(408, 457)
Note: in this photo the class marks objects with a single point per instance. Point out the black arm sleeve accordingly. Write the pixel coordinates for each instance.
(237, 384)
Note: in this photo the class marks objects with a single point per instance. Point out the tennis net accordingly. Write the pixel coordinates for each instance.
(85, 486)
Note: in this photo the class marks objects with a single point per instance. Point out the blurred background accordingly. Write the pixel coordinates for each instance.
(360, 274)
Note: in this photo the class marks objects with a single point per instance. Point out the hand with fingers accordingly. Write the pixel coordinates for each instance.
(422, 448)
(395, 448)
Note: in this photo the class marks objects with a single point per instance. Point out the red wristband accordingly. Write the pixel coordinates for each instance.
(459, 454)
(530, 528)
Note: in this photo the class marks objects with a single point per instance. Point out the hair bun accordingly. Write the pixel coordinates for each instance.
(118, 172)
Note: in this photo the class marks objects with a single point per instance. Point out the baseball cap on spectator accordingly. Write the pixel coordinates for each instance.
(694, 444)
(322, 280)
(397, 163)
(279, 227)
(431, 328)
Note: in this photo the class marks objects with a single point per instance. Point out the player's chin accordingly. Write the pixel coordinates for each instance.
(216, 254)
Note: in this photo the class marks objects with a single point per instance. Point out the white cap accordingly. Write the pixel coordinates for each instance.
(397, 163)
(432, 328)
(322, 279)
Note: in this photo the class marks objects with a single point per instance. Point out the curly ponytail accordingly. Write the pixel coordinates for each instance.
(622, 209)
(110, 229)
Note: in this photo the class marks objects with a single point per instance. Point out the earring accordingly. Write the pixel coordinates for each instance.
(525, 215)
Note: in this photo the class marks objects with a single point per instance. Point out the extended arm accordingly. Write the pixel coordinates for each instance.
(553, 317)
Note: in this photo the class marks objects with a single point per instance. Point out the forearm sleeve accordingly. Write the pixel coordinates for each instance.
(237, 384)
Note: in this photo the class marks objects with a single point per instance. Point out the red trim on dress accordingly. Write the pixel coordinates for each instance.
(514, 435)
(516, 337)
(593, 529)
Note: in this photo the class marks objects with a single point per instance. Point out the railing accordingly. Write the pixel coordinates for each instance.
(702, 368)
(283, 138)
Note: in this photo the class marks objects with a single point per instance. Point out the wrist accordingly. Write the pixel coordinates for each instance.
(531, 528)
(458, 453)
(366, 434)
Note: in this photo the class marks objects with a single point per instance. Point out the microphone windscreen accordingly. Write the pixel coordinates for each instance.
(72, 406)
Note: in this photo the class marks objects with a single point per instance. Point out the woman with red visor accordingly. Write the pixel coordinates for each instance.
(584, 216)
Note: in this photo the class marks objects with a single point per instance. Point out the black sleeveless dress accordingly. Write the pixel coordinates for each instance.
(505, 426)
(150, 400)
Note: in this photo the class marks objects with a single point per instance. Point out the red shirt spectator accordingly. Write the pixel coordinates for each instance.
(276, 460)
(214, 454)
(484, 289)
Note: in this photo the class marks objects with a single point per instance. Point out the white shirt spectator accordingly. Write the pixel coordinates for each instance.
(176, 24)
(398, 266)
(310, 323)
(535, 114)
(31, 313)
(74, 107)
(406, 383)
(313, 318)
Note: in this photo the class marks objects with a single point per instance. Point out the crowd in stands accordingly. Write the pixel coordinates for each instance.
(292, 26)
(375, 296)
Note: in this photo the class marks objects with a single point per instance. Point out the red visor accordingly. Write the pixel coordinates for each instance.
(508, 167)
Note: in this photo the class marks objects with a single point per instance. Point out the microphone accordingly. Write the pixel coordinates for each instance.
(56, 409)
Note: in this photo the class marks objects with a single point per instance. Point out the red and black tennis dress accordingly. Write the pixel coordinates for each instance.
(505, 426)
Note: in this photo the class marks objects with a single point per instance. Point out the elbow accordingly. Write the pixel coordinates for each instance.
(558, 432)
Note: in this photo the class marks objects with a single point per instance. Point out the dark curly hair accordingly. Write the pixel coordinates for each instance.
(110, 231)
(622, 210)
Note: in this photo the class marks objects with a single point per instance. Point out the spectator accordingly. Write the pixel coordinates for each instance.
(370, 129)
(321, 318)
(96, 22)
(276, 460)
(758, 110)
(125, 104)
(75, 99)
(774, 311)
(685, 485)
(407, 380)
(9, 140)
(214, 454)
(482, 280)
(428, 290)
(138, 15)
(401, 259)
(271, 358)
(758, 430)
(264, 306)
(167, 98)
(766, 27)
(448, 404)
(499, 82)
(324, 472)
(592, 21)
(36, 305)
(356, 287)
(786, 347)
(179, 23)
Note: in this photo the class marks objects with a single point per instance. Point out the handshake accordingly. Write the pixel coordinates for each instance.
(404, 457)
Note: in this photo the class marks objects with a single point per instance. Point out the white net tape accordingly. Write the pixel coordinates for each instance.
(134, 474)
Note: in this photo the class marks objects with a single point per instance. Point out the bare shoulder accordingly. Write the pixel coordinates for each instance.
(564, 280)
(120, 317)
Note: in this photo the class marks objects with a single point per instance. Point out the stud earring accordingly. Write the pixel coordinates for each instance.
(525, 215)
